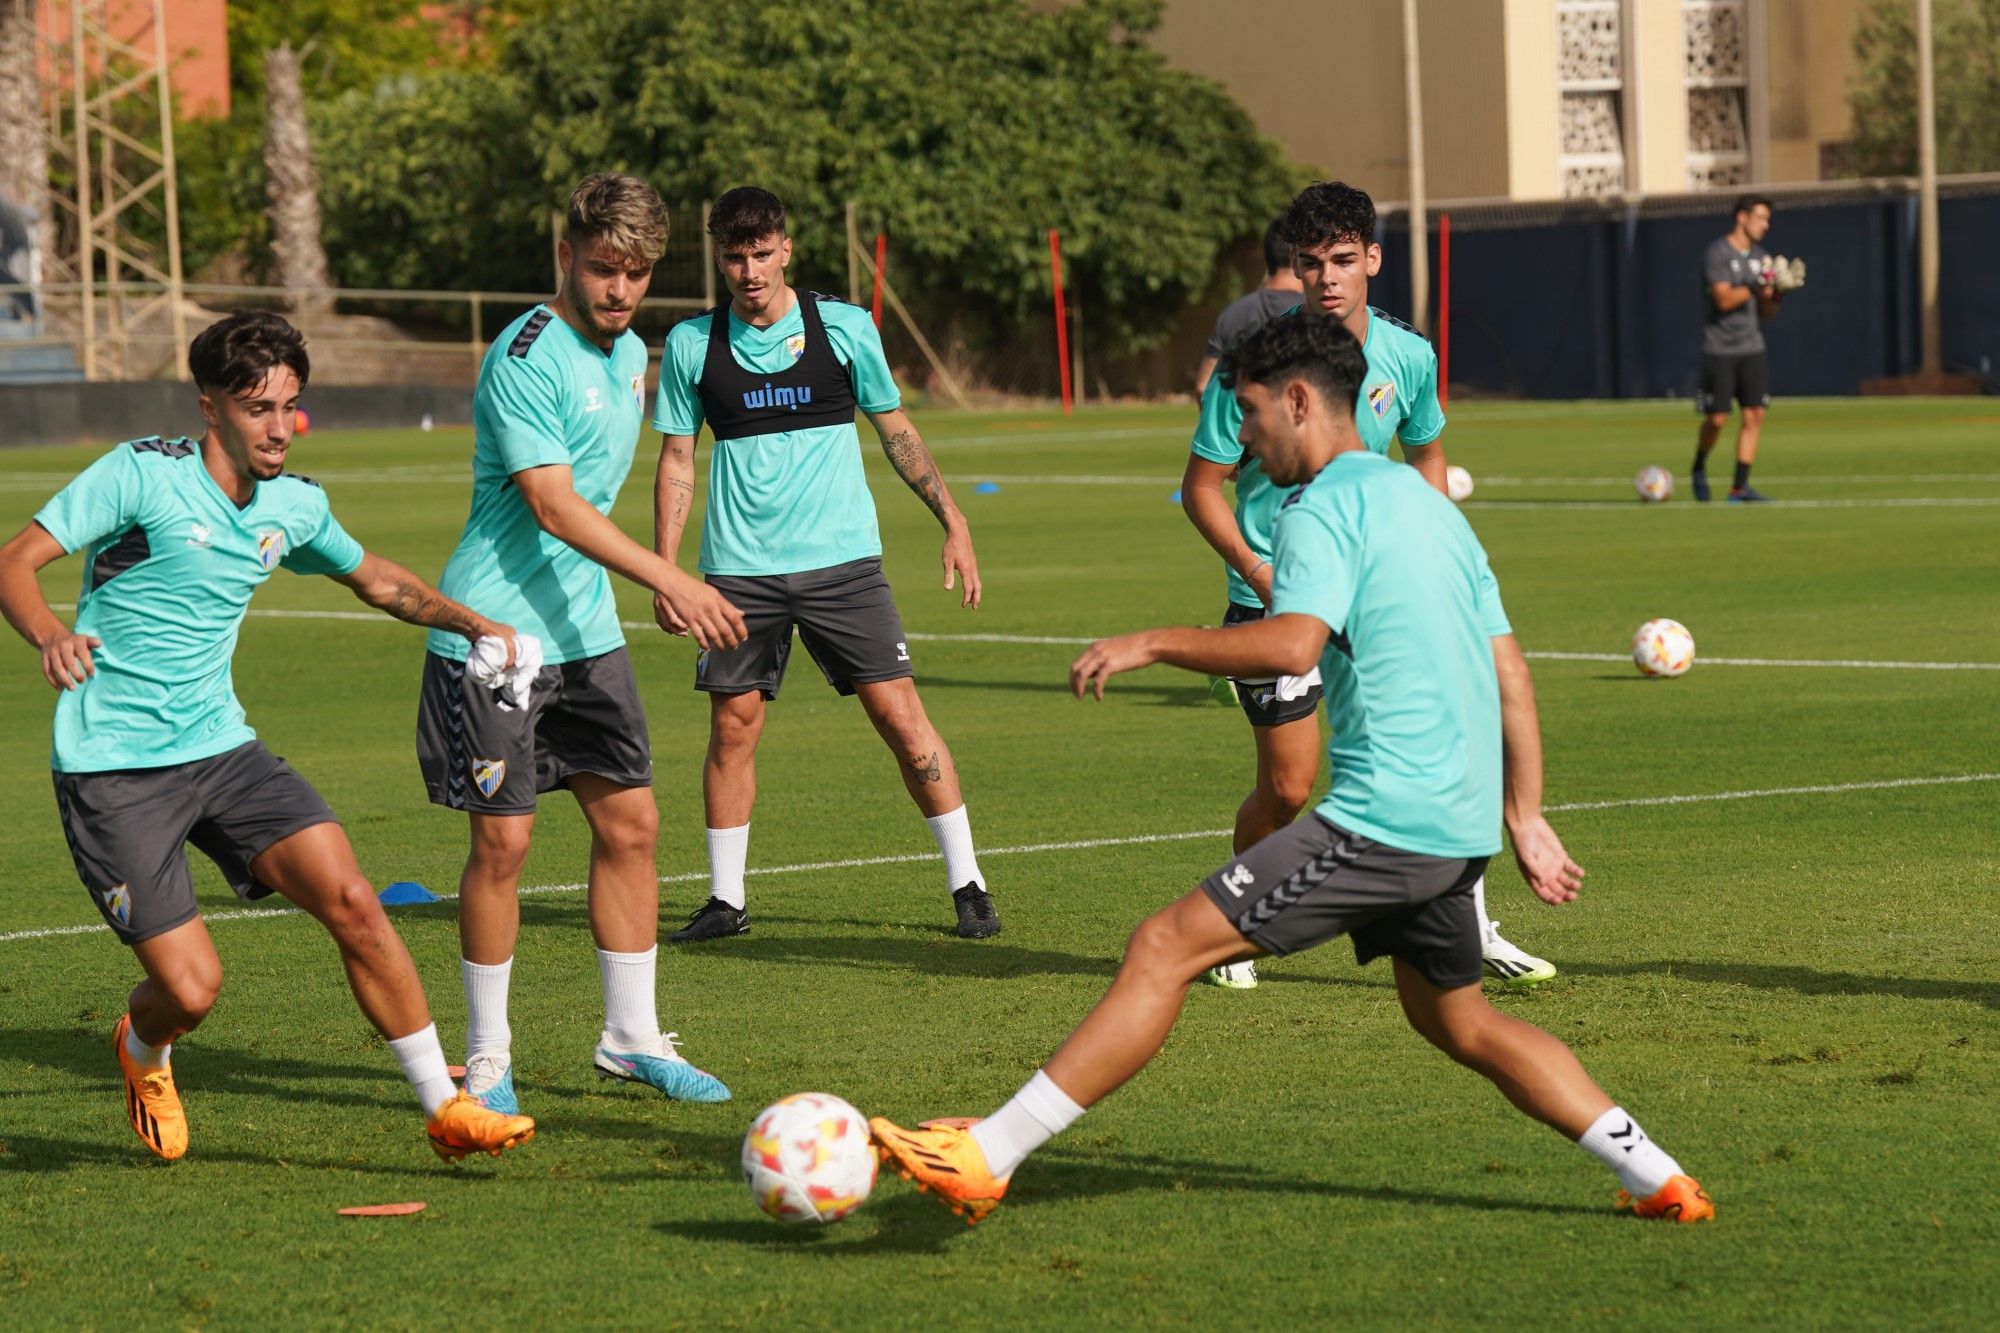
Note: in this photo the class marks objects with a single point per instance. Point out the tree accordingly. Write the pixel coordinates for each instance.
(965, 128)
(292, 178)
(1966, 43)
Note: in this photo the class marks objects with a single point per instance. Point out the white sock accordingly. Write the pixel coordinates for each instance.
(142, 1055)
(1039, 1112)
(1616, 1140)
(486, 1030)
(1479, 905)
(953, 832)
(631, 1013)
(422, 1059)
(728, 849)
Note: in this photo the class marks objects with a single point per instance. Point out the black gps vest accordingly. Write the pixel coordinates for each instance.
(816, 391)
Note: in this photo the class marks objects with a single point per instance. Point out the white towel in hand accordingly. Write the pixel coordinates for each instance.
(487, 665)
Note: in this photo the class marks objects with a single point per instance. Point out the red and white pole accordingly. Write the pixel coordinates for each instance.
(1444, 310)
(1062, 319)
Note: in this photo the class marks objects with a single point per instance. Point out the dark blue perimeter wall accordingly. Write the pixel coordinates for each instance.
(1609, 304)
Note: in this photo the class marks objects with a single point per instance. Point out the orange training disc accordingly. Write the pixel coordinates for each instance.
(383, 1210)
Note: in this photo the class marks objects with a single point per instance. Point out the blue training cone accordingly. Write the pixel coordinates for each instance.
(1175, 497)
(987, 488)
(404, 892)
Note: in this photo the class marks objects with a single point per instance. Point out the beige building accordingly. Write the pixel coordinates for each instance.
(1538, 99)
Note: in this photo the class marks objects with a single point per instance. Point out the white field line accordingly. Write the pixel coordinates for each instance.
(1086, 844)
(1078, 641)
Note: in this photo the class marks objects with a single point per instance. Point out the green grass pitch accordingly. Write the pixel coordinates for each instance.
(1796, 991)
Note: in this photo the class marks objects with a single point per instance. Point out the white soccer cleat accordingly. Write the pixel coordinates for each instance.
(1514, 967)
(1234, 976)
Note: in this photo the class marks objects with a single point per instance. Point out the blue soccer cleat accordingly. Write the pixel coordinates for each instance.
(1700, 479)
(1748, 495)
(489, 1080)
(662, 1068)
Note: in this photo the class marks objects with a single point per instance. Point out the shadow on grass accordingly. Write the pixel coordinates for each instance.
(906, 1222)
(48, 1156)
(1801, 980)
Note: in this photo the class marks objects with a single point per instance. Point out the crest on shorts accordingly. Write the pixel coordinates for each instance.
(796, 345)
(701, 664)
(1381, 397)
(117, 902)
(488, 774)
(270, 547)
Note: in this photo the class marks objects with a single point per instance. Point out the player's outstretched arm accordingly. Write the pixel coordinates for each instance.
(1215, 519)
(387, 586)
(1282, 645)
(66, 661)
(913, 463)
(673, 499)
(1544, 864)
(550, 493)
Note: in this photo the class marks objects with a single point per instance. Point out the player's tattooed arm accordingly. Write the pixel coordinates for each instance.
(387, 586)
(673, 493)
(912, 460)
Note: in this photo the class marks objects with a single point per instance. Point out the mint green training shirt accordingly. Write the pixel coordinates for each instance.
(792, 500)
(1398, 400)
(1372, 551)
(546, 395)
(171, 565)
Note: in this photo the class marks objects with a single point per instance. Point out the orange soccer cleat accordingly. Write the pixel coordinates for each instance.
(463, 1126)
(152, 1103)
(942, 1157)
(1681, 1199)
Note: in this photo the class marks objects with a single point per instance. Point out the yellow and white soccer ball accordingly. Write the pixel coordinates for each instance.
(1654, 483)
(807, 1159)
(1458, 484)
(1663, 648)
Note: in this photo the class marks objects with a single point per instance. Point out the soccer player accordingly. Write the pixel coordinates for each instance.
(556, 416)
(151, 748)
(1279, 294)
(1737, 281)
(1330, 228)
(791, 538)
(1435, 737)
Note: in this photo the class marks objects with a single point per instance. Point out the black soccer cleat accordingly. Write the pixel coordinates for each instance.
(1701, 485)
(1748, 495)
(713, 920)
(977, 919)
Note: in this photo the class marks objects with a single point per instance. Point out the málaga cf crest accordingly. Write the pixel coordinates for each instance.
(488, 774)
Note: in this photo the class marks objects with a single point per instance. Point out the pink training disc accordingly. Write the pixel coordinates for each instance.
(383, 1210)
(455, 1071)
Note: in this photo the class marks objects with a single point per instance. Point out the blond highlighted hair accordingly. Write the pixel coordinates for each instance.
(623, 212)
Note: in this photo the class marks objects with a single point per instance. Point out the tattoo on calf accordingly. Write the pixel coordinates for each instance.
(928, 768)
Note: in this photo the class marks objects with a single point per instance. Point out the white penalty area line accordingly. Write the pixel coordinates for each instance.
(1088, 844)
(1080, 641)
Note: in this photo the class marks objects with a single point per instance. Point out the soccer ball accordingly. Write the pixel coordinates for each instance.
(1663, 648)
(1654, 483)
(1458, 483)
(807, 1159)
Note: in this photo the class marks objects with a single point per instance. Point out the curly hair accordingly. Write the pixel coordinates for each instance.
(1310, 346)
(1328, 212)
(236, 353)
(623, 212)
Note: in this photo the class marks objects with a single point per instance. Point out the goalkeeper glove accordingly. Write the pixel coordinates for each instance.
(1788, 275)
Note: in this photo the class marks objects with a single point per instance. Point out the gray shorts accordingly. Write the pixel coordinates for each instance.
(582, 717)
(1260, 697)
(126, 829)
(1312, 881)
(845, 615)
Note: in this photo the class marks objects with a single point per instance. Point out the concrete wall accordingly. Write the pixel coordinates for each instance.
(78, 412)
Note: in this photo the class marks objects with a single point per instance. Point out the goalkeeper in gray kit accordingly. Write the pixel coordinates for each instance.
(1743, 286)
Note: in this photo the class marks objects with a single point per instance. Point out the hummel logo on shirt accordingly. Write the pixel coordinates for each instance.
(590, 401)
(199, 534)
